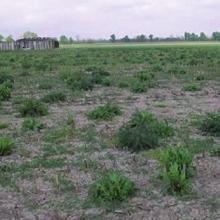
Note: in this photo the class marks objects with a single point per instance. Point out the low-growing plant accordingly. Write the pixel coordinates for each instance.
(145, 76)
(210, 123)
(45, 85)
(139, 87)
(5, 92)
(112, 187)
(32, 124)
(3, 125)
(192, 87)
(6, 145)
(215, 152)
(177, 169)
(4, 77)
(105, 112)
(33, 108)
(143, 131)
(54, 97)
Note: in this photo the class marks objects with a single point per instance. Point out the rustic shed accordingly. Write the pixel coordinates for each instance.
(30, 43)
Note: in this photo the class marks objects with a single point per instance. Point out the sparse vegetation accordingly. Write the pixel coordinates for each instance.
(33, 108)
(105, 112)
(6, 145)
(176, 170)
(111, 187)
(192, 87)
(210, 123)
(32, 124)
(54, 97)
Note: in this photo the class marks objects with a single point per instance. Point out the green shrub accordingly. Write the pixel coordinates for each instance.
(33, 108)
(145, 76)
(215, 152)
(45, 85)
(80, 81)
(3, 125)
(210, 123)
(6, 145)
(192, 87)
(5, 92)
(105, 112)
(54, 97)
(32, 124)
(111, 187)
(177, 169)
(139, 87)
(4, 77)
(143, 131)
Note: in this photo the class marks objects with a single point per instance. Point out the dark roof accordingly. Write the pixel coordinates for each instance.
(36, 39)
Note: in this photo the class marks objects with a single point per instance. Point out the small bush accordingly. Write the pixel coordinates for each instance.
(33, 108)
(145, 76)
(215, 152)
(192, 87)
(45, 85)
(80, 81)
(177, 169)
(105, 112)
(3, 125)
(210, 123)
(6, 78)
(142, 132)
(54, 97)
(5, 92)
(6, 145)
(139, 87)
(31, 124)
(111, 187)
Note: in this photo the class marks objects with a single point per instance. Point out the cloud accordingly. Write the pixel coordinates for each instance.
(100, 18)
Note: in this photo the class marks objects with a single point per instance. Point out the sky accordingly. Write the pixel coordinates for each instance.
(101, 18)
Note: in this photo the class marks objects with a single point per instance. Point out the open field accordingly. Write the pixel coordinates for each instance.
(56, 141)
(153, 44)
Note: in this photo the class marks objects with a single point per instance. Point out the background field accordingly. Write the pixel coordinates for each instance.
(51, 167)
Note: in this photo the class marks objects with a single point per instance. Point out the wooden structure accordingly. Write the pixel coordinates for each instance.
(30, 44)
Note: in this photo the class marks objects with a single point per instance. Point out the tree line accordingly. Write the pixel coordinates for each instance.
(139, 38)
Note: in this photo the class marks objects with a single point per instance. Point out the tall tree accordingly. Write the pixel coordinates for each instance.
(151, 37)
(216, 36)
(113, 38)
(1, 37)
(29, 34)
(125, 39)
(141, 38)
(71, 41)
(64, 39)
(203, 36)
(9, 39)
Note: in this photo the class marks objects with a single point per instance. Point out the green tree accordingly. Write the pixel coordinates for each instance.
(216, 36)
(113, 38)
(64, 39)
(141, 38)
(9, 39)
(1, 37)
(71, 41)
(125, 39)
(151, 37)
(203, 36)
(29, 34)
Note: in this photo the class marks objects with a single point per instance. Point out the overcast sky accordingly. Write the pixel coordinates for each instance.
(101, 18)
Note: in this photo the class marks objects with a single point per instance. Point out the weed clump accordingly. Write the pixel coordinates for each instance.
(111, 187)
(177, 170)
(192, 87)
(54, 97)
(5, 92)
(143, 131)
(33, 108)
(6, 145)
(105, 112)
(210, 123)
(31, 124)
